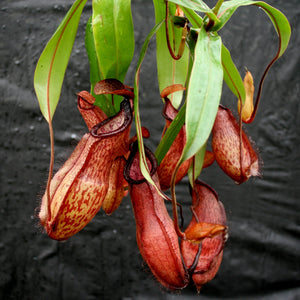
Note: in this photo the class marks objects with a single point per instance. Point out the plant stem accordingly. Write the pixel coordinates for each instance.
(217, 7)
(213, 18)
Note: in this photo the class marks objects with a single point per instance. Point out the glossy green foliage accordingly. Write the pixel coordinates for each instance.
(95, 74)
(113, 36)
(52, 64)
(103, 101)
(204, 92)
(232, 76)
(113, 42)
(169, 71)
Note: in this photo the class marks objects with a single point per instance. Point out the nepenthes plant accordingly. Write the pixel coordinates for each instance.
(192, 66)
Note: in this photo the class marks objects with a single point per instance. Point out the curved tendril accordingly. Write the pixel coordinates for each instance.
(192, 268)
(180, 209)
(183, 37)
(174, 203)
(257, 100)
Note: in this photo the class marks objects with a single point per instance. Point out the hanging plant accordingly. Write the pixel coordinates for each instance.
(192, 64)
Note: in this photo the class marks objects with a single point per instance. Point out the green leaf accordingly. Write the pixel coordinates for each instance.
(204, 92)
(52, 64)
(196, 165)
(278, 19)
(95, 75)
(114, 43)
(232, 76)
(114, 37)
(280, 23)
(197, 5)
(170, 135)
(103, 101)
(169, 71)
(193, 17)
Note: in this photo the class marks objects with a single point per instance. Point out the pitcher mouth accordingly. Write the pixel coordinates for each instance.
(103, 129)
(132, 171)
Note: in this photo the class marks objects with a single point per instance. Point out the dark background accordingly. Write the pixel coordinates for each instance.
(261, 257)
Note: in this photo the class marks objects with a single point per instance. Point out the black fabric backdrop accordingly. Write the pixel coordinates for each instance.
(261, 257)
